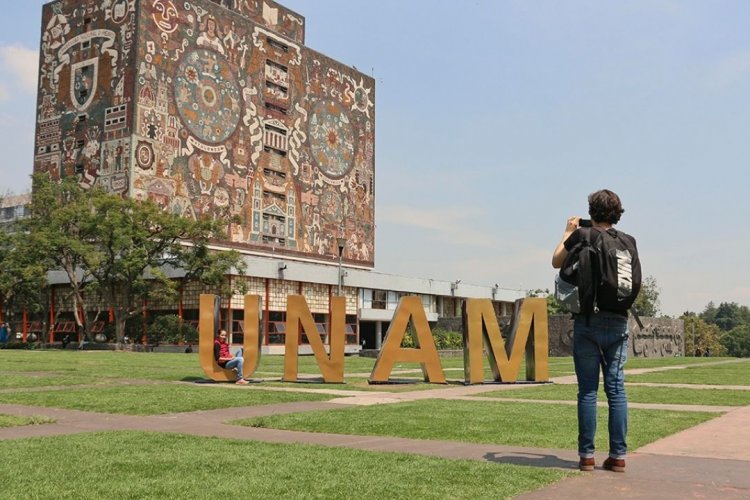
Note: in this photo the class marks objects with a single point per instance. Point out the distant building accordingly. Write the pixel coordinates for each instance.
(218, 107)
(13, 207)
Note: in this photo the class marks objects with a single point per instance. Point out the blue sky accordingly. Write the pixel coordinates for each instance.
(496, 118)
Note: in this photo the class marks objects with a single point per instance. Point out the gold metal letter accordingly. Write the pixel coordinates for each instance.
(252, 338)
(297, 312)
(480, 325)
(425, 354)
(208, 326)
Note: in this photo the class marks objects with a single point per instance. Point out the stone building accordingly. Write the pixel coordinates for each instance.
(215, 108)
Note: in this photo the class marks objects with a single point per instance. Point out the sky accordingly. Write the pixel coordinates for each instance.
(496, 118)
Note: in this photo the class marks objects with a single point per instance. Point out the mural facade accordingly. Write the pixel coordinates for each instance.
(212, 109)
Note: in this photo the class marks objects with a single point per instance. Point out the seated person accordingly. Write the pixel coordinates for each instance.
(226, 359)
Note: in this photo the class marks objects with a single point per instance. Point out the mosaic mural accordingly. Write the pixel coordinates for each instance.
(659, 337)
(216, 109)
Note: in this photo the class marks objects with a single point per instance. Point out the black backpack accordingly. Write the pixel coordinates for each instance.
(601, 272)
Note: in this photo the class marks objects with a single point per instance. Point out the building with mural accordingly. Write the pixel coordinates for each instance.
(215, 109)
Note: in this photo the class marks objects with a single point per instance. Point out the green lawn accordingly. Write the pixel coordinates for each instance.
(673, 361)
(13, 421)
(724, 374)
(636, 394)
(149, 465)
(152, 465)
(35, 368)
(155, 399)
(507, 423)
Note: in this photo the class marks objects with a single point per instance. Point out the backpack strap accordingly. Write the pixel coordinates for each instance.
(636, 318)
(588, 241)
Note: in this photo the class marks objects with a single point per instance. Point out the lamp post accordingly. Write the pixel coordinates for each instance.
(341, 244)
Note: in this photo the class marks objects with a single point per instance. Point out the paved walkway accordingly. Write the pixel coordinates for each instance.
(710, 460)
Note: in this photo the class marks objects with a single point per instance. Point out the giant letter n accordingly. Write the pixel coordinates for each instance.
(297, 313)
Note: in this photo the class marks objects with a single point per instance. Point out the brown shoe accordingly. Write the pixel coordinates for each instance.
(614, 464)
(586, 464)
(242, 381)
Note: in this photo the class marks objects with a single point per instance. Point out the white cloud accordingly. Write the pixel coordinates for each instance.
(452, 224)
(21, 65)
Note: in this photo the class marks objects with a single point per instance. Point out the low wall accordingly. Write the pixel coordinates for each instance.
(659, 338)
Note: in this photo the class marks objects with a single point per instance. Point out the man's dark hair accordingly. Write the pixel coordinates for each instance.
(605, 206)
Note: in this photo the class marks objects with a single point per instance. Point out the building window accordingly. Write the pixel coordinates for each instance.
(269, 149)
(379, 299)
(277, 74)
(273, 107)
(278, 91)
(276, 44)
(392, 300)
(427, 302)
(366, 298)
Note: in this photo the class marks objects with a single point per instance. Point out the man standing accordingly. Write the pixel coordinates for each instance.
(600, 335)
(226, 359)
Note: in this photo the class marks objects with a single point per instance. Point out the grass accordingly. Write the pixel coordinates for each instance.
(21, 368)
(673, 361)
(14, 421)
(148, 465)
(724, 374)
(636, 394)
(154, 465)
(513, 424)
(155, 399)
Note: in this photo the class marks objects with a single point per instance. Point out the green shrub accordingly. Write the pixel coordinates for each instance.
(134, 328)
(444, 339)
(15, 344)
(170, 329)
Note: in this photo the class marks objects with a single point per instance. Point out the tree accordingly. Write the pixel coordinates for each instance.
(727, 316)
(120, 251)
(139, 244)
(701, 338)
(737, 341)
(23, 280)
(553, 305)
(61, 229)
(647, 303)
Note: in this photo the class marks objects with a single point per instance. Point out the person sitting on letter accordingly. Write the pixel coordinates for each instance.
(226, 359)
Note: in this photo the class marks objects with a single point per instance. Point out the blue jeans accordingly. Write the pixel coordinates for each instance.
(236, 362)
(603, 343)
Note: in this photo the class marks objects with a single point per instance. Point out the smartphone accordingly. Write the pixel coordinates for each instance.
(584, 223)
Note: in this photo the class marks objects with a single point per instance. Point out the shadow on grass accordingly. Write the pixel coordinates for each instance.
(198, 380)
(531, 459)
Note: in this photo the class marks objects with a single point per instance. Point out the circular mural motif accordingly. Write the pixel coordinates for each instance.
(206, 95)
(331, 138)
(144, 155)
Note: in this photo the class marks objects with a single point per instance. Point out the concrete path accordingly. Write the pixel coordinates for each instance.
(710, 460)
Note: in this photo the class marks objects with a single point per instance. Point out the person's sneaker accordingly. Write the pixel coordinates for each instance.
(586, 464)
(242, 381)
(614, 464)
